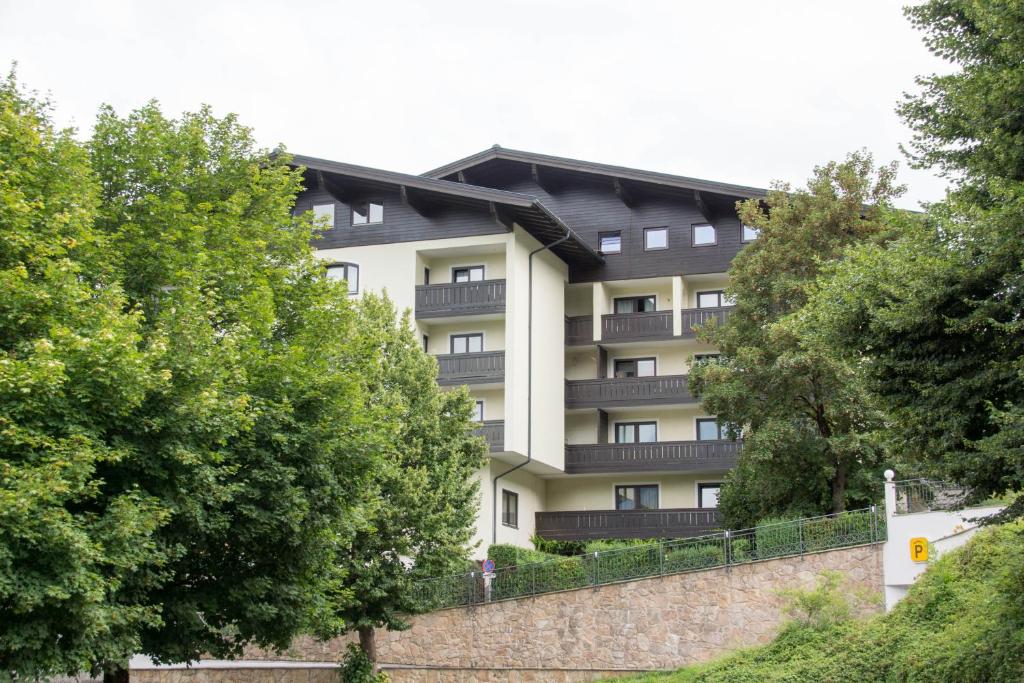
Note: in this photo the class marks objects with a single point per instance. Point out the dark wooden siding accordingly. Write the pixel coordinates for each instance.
(591, 207)
(401, 223)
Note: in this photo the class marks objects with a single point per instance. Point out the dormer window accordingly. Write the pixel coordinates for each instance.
(345, 271)
(367, 213)
(704, 235)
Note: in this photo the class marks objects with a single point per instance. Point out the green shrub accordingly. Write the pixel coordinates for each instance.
(564, 548)
(356, 667)
(694, 555)
(775, 537)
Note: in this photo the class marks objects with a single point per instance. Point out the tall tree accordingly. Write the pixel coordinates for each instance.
(255, 445)
(805, 418)
(73, 371)
(935, 318)
(427, 490)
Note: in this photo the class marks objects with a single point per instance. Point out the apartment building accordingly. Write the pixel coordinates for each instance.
(563, 294)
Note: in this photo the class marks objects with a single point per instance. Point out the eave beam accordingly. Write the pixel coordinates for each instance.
(623, 193)
(702, 206)
(499, 216)
(410, 199)
(541, 179)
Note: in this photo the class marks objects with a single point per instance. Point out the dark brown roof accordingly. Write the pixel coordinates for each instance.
(524, 209)
(593, 168)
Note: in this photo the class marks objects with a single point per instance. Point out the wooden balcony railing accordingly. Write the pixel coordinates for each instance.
(636, 326)
(493, 432)
(471, 368)
(579, 330)
(460, 298)
(580, 525)
(699, 316)
(627, 391)
(661, 456)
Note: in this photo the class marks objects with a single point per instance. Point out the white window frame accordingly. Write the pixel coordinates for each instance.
(693, 235)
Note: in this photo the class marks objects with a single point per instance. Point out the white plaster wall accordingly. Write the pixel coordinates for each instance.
(675, 424)
(441, 266)
(581, 428)
(438, 334)
(532, 492)
(494, 402)
(579, 299)
(660, 287)
(598, 492)
(581, 363)
(702, 283)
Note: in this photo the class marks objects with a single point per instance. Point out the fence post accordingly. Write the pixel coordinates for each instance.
(874, 524)
(597, 568)
(800, 533)
(728, 547)
(533, 579)
(661, 556)
(472, 588)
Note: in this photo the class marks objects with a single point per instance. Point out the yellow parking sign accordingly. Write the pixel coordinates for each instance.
(919, 549)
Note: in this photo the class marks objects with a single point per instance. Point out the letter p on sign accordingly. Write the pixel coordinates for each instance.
(919, 549)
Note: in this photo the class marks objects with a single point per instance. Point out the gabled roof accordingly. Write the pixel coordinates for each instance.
(524, 209)
(593, 168)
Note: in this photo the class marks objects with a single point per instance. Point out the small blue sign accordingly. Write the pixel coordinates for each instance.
(488, 566)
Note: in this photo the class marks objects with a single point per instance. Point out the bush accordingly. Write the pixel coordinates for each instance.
(564, 548)
(356, 667)
(775, 537)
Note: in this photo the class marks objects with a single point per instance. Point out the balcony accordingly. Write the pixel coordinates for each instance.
(628, 391)
(471, 368)
(579, 330)
(584, 525)
(493, 432)
(460, 298)
(699, 316)
(661, 456)
(651, 325)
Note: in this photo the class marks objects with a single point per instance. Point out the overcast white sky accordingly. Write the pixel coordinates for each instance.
(730, 90)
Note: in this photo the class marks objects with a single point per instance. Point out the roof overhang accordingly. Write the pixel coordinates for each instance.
(418, 191)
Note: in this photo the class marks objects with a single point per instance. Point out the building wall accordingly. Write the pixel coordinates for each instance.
(441, 266)
(494, 402)
(532, 491)
(597, 492)
(438, 334)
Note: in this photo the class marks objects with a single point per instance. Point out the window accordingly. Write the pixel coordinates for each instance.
(749, 234)
(715, 299)
(707, 495)
(655, 238)
(705, 357)
(635, 367)
(610, 242)
(704, 235)
(324, 211)
(426, 343)
(509, 508)
(468, 274)
(364, 213)
(426, 276)
(636, 432)
(467, 343)
(635, 304)
(478, 415)
(636, 497)
(708, 429)
(345, 271)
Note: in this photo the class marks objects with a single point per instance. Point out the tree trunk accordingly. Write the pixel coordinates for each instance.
(115, 673)
(839, 486)
(368, 642)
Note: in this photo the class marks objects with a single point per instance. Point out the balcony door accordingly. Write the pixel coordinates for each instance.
(467, 343)
(636, 432)
(707, 495)
(635, 304)
(468, 274)
(636, 497)
(635, 367)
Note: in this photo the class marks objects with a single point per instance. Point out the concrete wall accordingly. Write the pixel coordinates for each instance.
(652, 624)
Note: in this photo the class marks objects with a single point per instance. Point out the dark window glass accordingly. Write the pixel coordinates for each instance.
(364, 213)
(750, 234)
(635, 367)
(468, 274)
(345, 271)
(707, 495)
(610, 242)
(636, 497)
(708, 429)
(509, 508)
(635, 304)
(655, 238)
(636, 432)
(704, 234)
(426, 276)
(704, 357)
(426, 343)
(467, 343)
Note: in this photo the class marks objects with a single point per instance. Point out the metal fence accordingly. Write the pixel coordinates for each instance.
(926, 495)
(659, 558)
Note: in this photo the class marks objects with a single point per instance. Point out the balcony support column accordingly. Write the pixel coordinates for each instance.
(678, 296)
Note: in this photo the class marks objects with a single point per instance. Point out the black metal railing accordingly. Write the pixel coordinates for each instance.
(636, 326)
(660, 456)
(579, 329)
(460, 298)
(698, 316)
(658, 558)
(493, 432)
(580, 525)
(925, 495)
(627, 391)
(471, 368)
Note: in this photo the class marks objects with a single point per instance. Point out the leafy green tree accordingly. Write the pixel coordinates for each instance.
(805, 416)
(427, 490)
(255, 446)
(73, 371)
(934, 318)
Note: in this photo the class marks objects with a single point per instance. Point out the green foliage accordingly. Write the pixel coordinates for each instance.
(75, 557)
(963, 620)
(357, 667)
(804, 412)
(558, 547)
